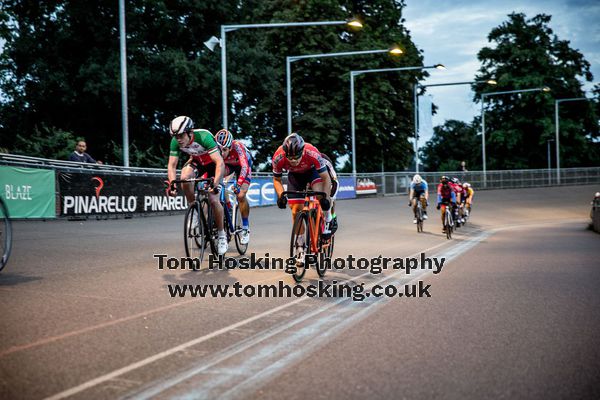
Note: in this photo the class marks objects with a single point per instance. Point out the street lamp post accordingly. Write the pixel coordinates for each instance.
(557, 126)
(288, 71)
(230, 28)
(123, 56)
(483, 96)
(352, 116)
(416, 106)
(549, 162)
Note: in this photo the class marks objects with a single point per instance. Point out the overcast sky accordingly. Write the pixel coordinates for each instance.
(453, 32)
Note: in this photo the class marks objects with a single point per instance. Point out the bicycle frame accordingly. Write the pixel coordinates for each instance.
(315, 225)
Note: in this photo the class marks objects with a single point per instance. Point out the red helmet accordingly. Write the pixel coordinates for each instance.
(293, 146)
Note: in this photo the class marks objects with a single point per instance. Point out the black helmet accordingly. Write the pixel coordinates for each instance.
(444, 179)
(455, 180)
(293, 146)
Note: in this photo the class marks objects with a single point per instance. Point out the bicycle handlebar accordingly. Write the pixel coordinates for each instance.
(304, 193)
(195, 180)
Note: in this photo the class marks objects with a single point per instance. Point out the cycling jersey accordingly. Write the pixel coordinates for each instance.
(311, 158)
(467, 193)
(445, 193)
(419, 188)
(239, 161)
(458, 189)
(200, 148)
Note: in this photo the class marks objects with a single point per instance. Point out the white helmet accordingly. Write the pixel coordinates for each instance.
(467, 185)
(417, 179)
(181, 124)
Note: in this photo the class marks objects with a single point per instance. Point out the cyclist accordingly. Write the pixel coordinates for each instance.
(467, 197)
(457, 187)
(239, 162)
(418, 192)
(445, 196)
(205, 158)
(306, 167)
(333, 195)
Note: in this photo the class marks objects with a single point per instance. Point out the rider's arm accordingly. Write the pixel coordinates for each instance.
(426, 190)
(172, 168)
(277, 185)
(453, 196)
(244, 166)
(411, 193)
(219, 166)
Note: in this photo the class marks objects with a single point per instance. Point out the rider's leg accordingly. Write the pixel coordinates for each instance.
(423, 203)
(188, 172)
(243, 203)
(217, 212)
(413, 201)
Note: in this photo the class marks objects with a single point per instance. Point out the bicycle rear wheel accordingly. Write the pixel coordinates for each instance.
(300, 244)
(323, 244)
(210, 227)
(237, 227)
(194, 237)
(448, 223)
(5, 235)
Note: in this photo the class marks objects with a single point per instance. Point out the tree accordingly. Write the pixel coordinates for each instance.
(321, 95)
(452, 142)
(528, 55)
(60, 69)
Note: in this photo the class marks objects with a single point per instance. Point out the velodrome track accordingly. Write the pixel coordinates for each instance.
(86, 313)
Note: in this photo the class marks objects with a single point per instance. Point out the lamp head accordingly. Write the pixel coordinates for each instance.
(212, 42)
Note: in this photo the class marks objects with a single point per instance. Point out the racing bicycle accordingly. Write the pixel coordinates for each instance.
(199, 236)
(307, 234)
(5, 234)
(419, 216)
(448, 220)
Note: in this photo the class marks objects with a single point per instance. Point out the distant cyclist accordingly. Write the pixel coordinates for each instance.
(305, 167)
(457, 186)
(418, 192)
(445, 196)
(467, 198)
(239, 162)
(205, 158)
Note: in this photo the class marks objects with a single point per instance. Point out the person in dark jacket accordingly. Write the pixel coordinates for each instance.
(79, 155)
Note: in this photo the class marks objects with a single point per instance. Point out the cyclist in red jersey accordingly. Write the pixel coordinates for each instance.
(305, 167)
(445, 196)
(239, 162)
(458, 189)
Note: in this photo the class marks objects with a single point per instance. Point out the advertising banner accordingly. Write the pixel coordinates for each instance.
(28, 192)
(261, 192)
(93, 194)
(347, 189)
(365, 186)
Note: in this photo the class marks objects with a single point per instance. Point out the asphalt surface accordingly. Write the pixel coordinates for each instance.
(513, 313)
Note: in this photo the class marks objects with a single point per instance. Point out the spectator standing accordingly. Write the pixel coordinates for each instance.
(79, 155)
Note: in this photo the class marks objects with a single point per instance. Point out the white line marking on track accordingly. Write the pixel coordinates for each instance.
(128, 368)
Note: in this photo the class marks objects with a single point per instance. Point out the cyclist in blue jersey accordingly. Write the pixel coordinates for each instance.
(418, 192)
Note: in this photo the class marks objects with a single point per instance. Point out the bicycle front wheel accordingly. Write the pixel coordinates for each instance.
(5, 235)
(300, 244)
(193, 234)
(448, 224)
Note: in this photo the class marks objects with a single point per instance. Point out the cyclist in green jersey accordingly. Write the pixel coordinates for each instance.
(205, 159)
